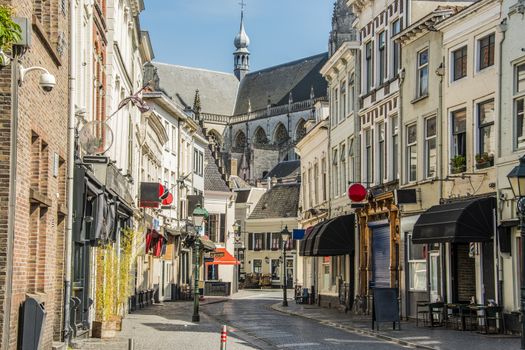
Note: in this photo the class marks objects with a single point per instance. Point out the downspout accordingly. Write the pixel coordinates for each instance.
(13, 155)
(502, 28)
(70, 172)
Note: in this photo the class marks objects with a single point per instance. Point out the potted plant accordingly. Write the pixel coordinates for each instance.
(458, 164)
(484, 160)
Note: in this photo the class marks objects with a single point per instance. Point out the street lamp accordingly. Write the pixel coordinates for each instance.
(517, 183)
(285, 235)
(199, 215)
(237, 246)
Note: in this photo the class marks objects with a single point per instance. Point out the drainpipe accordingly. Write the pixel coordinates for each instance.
(502, 28)
(11, 201)
(70, 173)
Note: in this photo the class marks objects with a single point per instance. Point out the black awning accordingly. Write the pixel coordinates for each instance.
(330, 238)
(457, 222)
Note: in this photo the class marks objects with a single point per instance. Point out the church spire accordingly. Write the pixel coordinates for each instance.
(241, 55)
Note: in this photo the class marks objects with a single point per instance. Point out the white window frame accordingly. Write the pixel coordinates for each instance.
(453, 63)
(419, 68)
(478, 51)
(343, 101)
(394, 131)
(480, 126)
(396, 45)
(342, 169)
(427, 148)
(409, 146)
(411, 263)
(368, 66)
(368, 142)
(382, 58)
(518, 96)
(253, 265)
(381, 146)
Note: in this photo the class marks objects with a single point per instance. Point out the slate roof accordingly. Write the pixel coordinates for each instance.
(276, 83)
(289, 168)
(213, 180)
(281, 201)
(217, 90)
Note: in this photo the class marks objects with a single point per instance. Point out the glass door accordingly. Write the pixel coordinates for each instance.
(435, 276)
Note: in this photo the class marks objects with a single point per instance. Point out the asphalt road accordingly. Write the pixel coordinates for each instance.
(251, 320)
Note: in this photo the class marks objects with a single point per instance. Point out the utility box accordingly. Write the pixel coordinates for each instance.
(34, 317)
(26, 30)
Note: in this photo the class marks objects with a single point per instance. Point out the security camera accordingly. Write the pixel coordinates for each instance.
(47, 82)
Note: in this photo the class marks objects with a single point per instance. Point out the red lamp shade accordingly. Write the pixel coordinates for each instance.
(356, 192)
(168, 200)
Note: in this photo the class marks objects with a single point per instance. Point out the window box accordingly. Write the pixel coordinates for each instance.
(484, 160)
(458, 164)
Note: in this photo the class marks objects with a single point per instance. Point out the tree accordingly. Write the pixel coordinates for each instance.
(10, 32)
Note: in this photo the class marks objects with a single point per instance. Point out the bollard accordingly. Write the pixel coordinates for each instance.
(224, 334)
(131, 345)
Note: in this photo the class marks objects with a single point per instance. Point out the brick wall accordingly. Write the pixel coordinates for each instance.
(39, 223)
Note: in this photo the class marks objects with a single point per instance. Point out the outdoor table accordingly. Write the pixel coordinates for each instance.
(432, 308)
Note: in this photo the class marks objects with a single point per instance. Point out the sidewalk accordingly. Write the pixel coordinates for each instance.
(167, 326)
(409, 335)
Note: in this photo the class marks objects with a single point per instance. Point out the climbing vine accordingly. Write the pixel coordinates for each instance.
(10, 32)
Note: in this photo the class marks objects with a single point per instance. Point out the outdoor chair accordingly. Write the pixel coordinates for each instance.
(494, 315)
(422, 312)
(302, 297)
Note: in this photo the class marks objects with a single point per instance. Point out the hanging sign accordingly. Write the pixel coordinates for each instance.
(357, 192)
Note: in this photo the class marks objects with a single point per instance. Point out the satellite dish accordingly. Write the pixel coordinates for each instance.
(95, 137)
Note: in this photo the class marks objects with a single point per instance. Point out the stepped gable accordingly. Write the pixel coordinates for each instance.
(276, 83)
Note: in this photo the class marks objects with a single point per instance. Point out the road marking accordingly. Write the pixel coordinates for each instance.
(296, 345)
(341, 341)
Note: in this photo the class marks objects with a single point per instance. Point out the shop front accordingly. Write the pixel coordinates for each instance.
(332, 244)
(458, 243)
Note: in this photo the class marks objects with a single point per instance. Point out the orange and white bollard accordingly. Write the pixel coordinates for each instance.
(224, 335)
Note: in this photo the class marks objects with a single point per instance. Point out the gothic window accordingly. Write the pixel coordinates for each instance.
(280, 134)
(300, 131)
(260, 137)
(240, 139)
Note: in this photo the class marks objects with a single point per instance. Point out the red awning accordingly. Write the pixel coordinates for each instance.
(222, 257)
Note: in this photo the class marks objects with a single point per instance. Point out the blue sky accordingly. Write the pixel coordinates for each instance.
(200, 33)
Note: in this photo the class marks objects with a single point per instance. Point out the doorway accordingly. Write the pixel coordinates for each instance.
(435, 275)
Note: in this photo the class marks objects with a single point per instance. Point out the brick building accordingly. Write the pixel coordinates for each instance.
(32, 222)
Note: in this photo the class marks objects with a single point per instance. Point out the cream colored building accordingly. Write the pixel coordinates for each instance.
(313, 150)
(510, 145)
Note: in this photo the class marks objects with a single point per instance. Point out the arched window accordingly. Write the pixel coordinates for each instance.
(240, 139)
(280, 134)
(300, 130)
(259, 138)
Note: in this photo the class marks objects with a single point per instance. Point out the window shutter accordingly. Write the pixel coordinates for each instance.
(250, 241)
(268, 240)
(223, 228)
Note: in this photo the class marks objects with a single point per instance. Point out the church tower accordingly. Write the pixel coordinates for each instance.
(342, 30)
(241, 56)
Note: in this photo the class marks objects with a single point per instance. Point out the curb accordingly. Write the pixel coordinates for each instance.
(370, 333)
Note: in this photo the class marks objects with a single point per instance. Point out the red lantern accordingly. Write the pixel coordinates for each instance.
(356, 192)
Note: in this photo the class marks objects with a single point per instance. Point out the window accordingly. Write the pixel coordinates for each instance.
(258, 241)
(369, 154)
(430, 147)
(519, 103)
(323, 169)
(276, 241)
(351, 161)
(417, 266)
(412, 152)
(395, 147)
(459, 142)
(310, 185)
(422, 73)
(335, 173)
(342, 169)
(381, 45)
(198, 162)
(369, 66)
(485, 129)
(381, 151)
(486, 51)
(316, 183)
(342, 116)
(396, 55)
(336, 106)
(257, 266)
(459, 58)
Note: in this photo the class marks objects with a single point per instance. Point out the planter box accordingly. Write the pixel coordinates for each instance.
(484, 165)
(106, 329)
(458, 169)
